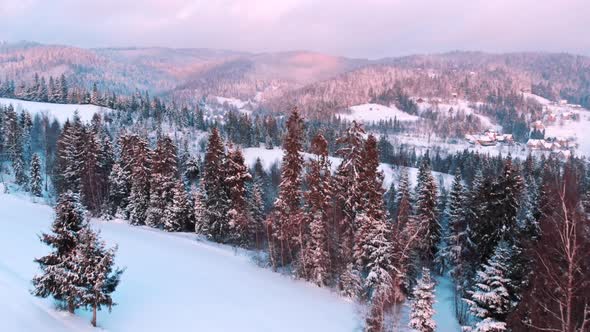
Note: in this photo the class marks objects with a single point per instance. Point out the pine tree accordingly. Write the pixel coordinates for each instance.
(257, 213)
(216, 224)
(118, 191)
(285, 223)
(489, 299)
(58, 278)
(199, 211)
(372, 251)
(426, 212)
(36, 181)
(178, 215)
(457, 241)
(348, 191)
(192, 171)
(163, 174)
(138, 158)
(316, 258)
(97, 276)
(238, 215)
(422, 311)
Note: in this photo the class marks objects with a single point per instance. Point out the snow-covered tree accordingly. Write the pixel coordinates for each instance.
(139, 160)
(118, 191)
(58, 277)
(238, 215)
(216, 225)
(199, 211)
(489, 300)
(36, 180)
(372, 251)
(426, 212)
(422, 311)
(192, 171)
(178, 214)
(97, 277)
(257, 213)
(285, 221)
(316, 257)
(348, 194)
(163, 174)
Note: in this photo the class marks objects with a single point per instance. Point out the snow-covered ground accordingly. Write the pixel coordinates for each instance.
(61, 112)
(457, 105)
(390, 173)
(369, 113)
(444, 310)
(578, 130)
(173, 282)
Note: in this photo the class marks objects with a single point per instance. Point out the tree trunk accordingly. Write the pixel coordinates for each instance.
(93, 322)
(71, 307)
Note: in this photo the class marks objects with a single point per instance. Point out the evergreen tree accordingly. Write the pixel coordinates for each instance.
(422, 311)
(348, 193)
(285, 224)
(179, 214)
(58, 278)
(97, 277)
(457, 241)
(192, 171)
(426, 212)
(216, 223)
(118, 191)
(139, 160)
(238, 214)
(36, 181)
(163, 174)
(257, 213)
(199, 210)
(489, 300)
(316, 260)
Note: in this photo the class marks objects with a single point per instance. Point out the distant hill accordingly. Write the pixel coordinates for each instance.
(318, 83)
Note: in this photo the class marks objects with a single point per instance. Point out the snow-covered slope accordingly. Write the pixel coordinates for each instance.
(61, 112)
(173, 282)
(370, 113)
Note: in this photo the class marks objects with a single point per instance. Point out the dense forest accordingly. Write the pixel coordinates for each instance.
(512, 234)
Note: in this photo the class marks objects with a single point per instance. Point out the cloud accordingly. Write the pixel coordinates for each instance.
(360, 28)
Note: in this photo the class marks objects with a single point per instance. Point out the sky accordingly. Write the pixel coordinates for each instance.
(354, 28)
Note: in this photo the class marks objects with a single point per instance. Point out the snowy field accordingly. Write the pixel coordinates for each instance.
(173, 282)
(369, 113)
(61, 112)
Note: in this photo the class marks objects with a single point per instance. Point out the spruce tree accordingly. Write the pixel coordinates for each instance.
(238, 215)
(163, 174)
(97, 276)
(426, 212)
(422, 311)
(199, 211)
(316, 258)
(216, 223)
(58, 277)
(178, 214)
(257, 213)
(36, 181)
(489, 300)
(348, 192)
(118, 191)
(139, 160)
(285, 223)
